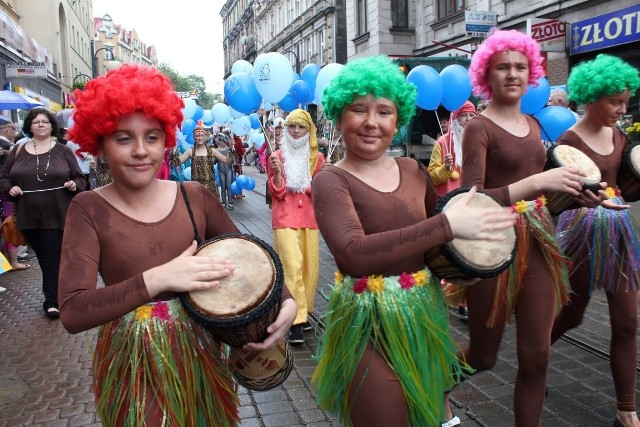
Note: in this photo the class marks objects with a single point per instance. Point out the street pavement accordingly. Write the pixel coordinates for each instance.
(45, 373)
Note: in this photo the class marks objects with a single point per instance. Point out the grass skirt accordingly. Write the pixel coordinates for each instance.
(609, 239)
(157, 367)
(405, 318)
(533, 221)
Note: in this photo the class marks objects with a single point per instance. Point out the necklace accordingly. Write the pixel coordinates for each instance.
(46, 169)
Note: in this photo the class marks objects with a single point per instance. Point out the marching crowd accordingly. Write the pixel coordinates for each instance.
(386, 356)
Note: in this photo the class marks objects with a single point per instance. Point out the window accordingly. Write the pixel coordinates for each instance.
(361, 17)
(449, 7)
(400, 13)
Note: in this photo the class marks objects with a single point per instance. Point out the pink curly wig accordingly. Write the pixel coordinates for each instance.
(497, 42)
(124, 91)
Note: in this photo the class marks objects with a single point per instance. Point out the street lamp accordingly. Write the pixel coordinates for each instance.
(295, 55)
(95, 59)
(84, 76)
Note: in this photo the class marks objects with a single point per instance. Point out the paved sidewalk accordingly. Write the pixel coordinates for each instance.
(45, 377)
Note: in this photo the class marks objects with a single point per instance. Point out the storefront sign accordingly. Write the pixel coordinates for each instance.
(549, 33)
(478, 24)
(26, 69)
(610, 29)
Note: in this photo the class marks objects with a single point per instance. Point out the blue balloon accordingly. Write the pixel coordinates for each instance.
(555, 120)
(189, 139)
(198, 114)
(429, 85)
(301, 92)
(255, 121)
(207, 117)
(235, 114)
(535, 98)
(288, 103)
(241, 126)
(241, 93)
(242, 181)
(309, 74)
(188, 126)
(235, 190)
(266, 105)
(215, 172)
(251, 184)
(187, 173)
(456, 79)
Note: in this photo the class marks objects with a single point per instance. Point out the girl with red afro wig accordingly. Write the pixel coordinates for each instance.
(125, 90)
(153, 364)
(502, 152)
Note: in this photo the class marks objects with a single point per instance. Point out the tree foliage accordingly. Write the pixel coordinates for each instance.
(190, 83)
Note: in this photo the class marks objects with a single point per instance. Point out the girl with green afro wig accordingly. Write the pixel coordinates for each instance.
(376, 76)
(604, 76)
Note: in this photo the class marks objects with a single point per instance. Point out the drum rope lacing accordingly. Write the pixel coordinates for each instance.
(378, 283)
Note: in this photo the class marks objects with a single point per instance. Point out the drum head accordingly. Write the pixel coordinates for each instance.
(482, 257)
(566, 155)
(249, 284)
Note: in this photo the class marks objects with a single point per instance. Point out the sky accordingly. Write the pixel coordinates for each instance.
(187, 34)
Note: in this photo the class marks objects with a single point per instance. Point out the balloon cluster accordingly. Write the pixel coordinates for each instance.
(242, 182)
(270, 81)
(554, 119)
(430, 86)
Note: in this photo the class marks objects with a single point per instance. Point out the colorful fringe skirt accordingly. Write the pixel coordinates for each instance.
(607, 241)
(533, 221)
(157, 367)
(405, 319)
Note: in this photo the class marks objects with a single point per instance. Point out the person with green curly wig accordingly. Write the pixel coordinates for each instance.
(603, 243)
(386, 357)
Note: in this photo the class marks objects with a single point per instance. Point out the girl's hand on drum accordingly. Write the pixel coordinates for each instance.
(278, 329)
(187, 273)
(565, 179)
(590, 200)
(478, 223)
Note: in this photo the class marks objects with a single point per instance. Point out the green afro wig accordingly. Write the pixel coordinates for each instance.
(604, 76)
(377, 76)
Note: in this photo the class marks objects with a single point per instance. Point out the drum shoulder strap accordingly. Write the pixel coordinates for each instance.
(196, 235)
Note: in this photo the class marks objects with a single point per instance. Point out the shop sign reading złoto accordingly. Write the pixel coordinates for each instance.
(610, 29)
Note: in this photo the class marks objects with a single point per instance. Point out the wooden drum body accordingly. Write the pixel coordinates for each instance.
(629, 174)
(246, 302)
(262, 370)
(469, 259)
(566, 155)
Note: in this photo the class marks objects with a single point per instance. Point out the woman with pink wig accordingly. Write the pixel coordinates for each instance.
(503, 153)
(152, 365)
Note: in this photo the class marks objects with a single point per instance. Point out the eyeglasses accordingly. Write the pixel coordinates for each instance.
(41, 122)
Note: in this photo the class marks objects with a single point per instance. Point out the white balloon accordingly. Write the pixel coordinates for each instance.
(221, 113)
(242, 66)
(189, 109)
(326, 74)
(273, 76)
(235, 114)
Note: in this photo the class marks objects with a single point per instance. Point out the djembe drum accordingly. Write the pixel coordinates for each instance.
(262, 370)
(241, 308)
(469, 259)
(246, 302)
(566, 155)
(628, 179)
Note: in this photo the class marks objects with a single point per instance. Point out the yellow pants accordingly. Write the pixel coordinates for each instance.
(298, 250)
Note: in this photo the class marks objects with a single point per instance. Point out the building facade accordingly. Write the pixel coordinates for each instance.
(115, 43)
(306, 31)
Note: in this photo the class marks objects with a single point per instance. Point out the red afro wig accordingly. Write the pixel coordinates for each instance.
(498, 42)
(124, 91)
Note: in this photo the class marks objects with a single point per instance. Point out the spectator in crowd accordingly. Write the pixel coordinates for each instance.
(42, 177)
